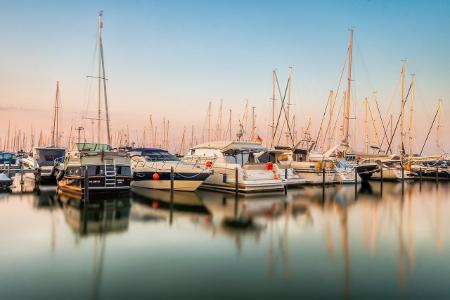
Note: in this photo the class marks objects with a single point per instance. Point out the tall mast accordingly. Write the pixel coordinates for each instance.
(103, 77)
(229, 126)
(99, 79)
(209, 121)
(345, 142)
(438, 128)
(8, 136)
(366, 126)
(192, 136)
(152, 141)
(252, 135)
(273, 106)
(288, 108)
(374, 118)
(402, 111)
(219, 122)
(167, 136)
(411, 115)
(182, 141)
(56, 123)
(330, 118)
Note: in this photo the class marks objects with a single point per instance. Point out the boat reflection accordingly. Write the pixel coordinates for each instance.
(96, 217)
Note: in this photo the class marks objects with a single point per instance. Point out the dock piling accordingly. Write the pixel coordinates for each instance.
(420, 178)
(323, 184)
(86, 184)
(381, 181)
(236, 182)
(172, 177)
(356, 183)
(403, 178)
(437, 175)
(285, 178)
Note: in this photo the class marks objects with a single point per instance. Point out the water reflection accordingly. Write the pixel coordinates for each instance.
(96, 217)
(339, 242)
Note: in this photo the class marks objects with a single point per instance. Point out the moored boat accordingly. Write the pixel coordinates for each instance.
(151, 168)
(104, 170)
(228, 157)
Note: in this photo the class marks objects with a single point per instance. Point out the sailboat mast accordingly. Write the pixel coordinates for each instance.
(209, 121)
(330, 118)
(438, 127)
(99, 80)
(348, 93)
(273, 106)
(374, 119)
(288, 108)
(366, 126)
(252, 135)
(229, 126)
(402, 113)
(411, 115)
(55, 128)
(152, 141)
(103, 77)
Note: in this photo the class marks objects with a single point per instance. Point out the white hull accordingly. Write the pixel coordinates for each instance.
(347, 176)
(392, 174)
(179, 185)
(312, 177)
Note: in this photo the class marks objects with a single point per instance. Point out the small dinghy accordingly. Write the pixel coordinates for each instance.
(5, 181)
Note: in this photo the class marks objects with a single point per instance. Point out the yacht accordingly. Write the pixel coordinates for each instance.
(9, 162)
(151, 168)
(311, 166)
(281, 157)
(108, 171)
(431, 168)
(392, 169)
(42, 162)
(228, 156)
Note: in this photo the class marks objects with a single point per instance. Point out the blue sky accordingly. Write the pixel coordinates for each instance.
(169, 58)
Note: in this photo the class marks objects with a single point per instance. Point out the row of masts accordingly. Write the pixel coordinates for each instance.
(284, 122)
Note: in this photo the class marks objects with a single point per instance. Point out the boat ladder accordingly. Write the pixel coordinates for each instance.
(110, 174)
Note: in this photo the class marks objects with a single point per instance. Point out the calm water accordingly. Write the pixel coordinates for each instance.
(211, 247)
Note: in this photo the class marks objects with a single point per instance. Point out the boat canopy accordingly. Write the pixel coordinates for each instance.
(153, 154)
(231, 148)
(94, 147)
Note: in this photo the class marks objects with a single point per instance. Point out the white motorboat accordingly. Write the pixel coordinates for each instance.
(151, 168)
(281, 157)
(42, 161)
(392, 170)
(228, 157)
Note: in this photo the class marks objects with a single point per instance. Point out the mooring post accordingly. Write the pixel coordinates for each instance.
(236, 182)
(420, 178)
(323, 184)
(86, 184)
(356, 183)
(403, 178)
(285, 180)
(172, 175)
(171, 185)
(381, 181)
(437, 175)
(9, 169)
(21, 178)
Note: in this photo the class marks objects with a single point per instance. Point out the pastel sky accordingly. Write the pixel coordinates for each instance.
(170, 58)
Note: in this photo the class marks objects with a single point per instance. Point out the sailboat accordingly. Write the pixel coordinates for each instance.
(42, 160)
(95, 169)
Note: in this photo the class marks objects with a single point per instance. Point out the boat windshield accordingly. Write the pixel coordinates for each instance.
(46, 157)
(93, 147)
(241, 158)
(159, 156)
(7, 158)
(343, 164)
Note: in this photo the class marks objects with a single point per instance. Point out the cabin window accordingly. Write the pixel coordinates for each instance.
(122, 170)
(96, 170)
(73, 171)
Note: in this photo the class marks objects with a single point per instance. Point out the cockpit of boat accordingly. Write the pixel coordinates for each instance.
(7, 158)
(153, 154)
